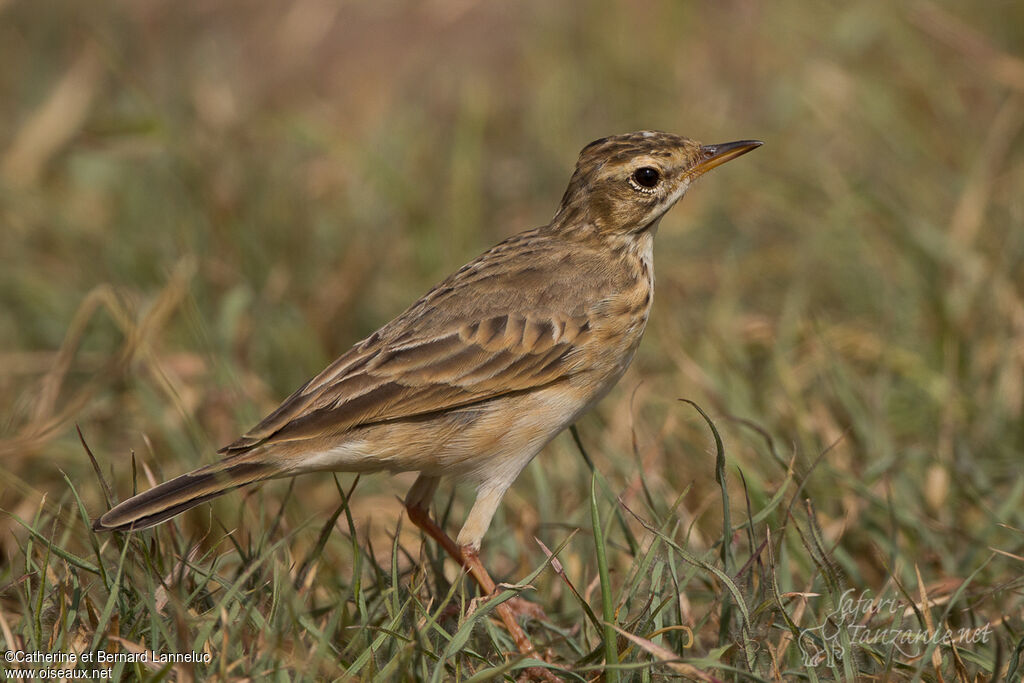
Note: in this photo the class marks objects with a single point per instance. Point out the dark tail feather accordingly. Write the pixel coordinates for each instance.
(173, 497)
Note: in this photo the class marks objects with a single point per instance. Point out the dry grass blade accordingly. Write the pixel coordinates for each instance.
(969, 216)
(560, 571)
(969, 42)
(929, 623)
(667, 657)
(1019, 558)
(46, 420)
(55, 122)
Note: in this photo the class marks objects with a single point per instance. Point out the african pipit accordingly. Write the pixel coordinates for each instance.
(477, 376)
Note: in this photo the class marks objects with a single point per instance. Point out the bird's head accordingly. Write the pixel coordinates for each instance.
(623, 184)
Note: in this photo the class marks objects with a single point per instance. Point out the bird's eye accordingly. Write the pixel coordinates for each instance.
(646, 177)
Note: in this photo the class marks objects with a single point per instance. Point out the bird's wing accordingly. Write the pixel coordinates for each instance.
(415, 374)
(512, 320)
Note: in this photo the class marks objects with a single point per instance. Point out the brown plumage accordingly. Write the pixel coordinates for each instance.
(478, 375)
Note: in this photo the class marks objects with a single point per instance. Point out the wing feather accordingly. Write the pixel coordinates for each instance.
(463, 364)
(512, 320)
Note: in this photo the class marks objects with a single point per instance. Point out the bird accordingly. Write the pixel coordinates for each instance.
(477, 376)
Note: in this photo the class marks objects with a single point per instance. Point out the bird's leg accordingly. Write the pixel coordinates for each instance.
(417, 506)
(472, 533)
(471, 561)
(467, 554)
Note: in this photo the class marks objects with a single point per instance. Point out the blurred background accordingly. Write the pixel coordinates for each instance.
(202, 204)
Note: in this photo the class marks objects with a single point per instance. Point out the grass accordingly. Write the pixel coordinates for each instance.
(200, 206)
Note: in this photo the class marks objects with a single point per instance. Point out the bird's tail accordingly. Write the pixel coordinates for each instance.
(173, 497)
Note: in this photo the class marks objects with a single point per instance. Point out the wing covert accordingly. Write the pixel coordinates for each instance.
(380, 380)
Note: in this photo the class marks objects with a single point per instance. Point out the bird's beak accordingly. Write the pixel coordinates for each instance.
(716, 155)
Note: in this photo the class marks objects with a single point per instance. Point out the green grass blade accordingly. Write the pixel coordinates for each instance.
(611, 650)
